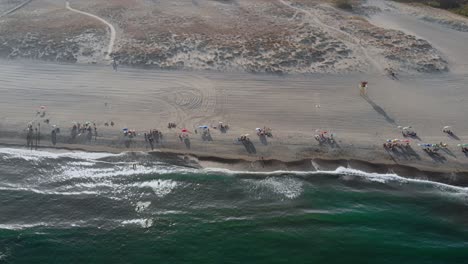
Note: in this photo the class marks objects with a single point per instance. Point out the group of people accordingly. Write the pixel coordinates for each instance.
(171, 125)
(324, 136)
(265, 131)
(85, 128)
(464, 148)
(129, 133)
(408, 132)
(430, 148)
(448, 130)
(391, 144)
(111, 123)
(153, 136)
(243, 138)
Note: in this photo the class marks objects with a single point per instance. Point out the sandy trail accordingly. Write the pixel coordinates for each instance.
(15, 8)
(450, 42)
(345, 36)
(111, 28)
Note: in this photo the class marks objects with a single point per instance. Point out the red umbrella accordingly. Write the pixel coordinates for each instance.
(184, 130)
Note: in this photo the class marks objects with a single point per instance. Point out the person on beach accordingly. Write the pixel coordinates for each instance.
(114, 65)
(363, 88)
(54, 137)
(95, 132)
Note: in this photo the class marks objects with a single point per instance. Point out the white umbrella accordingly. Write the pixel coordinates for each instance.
(447, 127)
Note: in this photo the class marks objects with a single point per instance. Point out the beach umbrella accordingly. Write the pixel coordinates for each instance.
(447, 127)
(125, 129)
(205, 127)
(42, 107)
(184, 130)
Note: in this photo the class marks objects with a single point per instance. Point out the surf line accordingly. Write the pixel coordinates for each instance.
(111, 27)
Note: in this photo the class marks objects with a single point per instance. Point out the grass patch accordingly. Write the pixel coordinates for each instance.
(455, 6)
(462, 10)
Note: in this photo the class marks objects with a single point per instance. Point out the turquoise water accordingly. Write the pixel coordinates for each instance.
(93, 208)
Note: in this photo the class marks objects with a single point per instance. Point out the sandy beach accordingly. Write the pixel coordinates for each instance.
(293, 106)
(147, 99)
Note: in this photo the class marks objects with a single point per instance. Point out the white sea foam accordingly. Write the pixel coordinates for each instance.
(61, 224)
(30, 155)
(288, 187)
(383, 178)
(141, 206)
(121, 170)
(145, 223)
(46, 192)
(160, 187)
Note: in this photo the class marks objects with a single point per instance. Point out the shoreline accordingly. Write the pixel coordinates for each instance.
(249, 164)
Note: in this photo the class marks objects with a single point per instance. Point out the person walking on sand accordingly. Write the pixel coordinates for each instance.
(114, 65)
(363, 88)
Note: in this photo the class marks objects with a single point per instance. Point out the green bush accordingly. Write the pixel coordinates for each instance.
(462, 10)
(344, 4)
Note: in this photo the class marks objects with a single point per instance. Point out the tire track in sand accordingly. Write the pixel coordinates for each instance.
(350, 38)
(111, 28)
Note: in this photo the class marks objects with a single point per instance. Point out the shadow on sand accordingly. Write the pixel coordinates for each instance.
(249, 146)
(187, 142)
(436, 157)
(453, 136)
(263, 139)
(379, 110)
(406, 152)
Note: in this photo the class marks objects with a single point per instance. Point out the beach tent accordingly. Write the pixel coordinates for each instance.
(426, 145)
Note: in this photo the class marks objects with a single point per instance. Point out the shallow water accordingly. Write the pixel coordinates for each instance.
(93, 207)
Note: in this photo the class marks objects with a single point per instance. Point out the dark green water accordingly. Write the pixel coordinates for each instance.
(93, 208)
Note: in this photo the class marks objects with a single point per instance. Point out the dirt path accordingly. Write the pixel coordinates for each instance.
(111, 28)
(16, 8)
(448, 41)
(345, 36)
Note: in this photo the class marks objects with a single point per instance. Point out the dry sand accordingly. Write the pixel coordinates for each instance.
(293, 106)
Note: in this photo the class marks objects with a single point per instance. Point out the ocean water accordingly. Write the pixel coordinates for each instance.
(79, 207)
